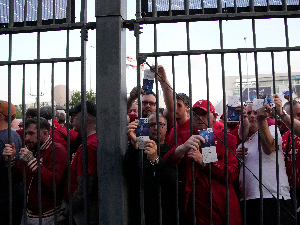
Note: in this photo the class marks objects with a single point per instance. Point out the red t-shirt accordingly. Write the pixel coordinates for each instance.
(218, 126)
(60, 135)
(289, 163)
(76, 165)
(183, 134)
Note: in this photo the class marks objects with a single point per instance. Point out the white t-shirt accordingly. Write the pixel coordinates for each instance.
(268, 170)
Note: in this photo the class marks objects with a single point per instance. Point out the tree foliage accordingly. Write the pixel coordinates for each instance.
(76, 97)
(19, 112)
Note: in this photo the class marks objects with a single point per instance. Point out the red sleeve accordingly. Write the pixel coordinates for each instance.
(73, 134)
(170, 158)
(60, 168)
(218, 167)
(235, 133)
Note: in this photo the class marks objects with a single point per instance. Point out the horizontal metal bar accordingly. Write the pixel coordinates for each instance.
(220, 51)
(218, 16)
(36, 61)
(46, 28)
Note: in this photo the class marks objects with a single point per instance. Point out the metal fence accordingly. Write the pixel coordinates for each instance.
(110, 28)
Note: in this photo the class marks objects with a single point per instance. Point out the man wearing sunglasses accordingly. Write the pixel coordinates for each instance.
(156, 174)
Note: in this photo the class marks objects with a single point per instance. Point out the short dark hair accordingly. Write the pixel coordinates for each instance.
(46, 112)
(31, 112)
(183, 97)
(61, 117)
(43, 123)
(152, 93)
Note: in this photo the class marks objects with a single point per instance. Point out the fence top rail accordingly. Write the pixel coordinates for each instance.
(218, 16)
(36, 61)
(143, 56)
(45, 28)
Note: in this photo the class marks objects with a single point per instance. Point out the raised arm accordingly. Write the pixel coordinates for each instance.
(132, 97)
(286, 119)
(168, 95)
(246, 124)
(267, 140)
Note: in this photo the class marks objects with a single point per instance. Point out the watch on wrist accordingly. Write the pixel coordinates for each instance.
(156, 161)
(283, 115)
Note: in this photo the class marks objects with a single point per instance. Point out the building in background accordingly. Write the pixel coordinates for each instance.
(60, 95)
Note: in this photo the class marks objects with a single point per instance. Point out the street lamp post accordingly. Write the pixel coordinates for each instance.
(91, 67)
(245, 38)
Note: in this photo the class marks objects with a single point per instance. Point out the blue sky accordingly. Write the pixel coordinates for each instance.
(203, 35)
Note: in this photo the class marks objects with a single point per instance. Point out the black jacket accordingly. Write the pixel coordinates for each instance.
(159, 176)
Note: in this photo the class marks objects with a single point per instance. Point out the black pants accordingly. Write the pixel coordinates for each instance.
(269, 211)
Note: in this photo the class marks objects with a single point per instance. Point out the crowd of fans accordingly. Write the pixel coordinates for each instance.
(256, 158)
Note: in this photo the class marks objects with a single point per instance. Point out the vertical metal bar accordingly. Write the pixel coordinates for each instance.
(138, 9)
(25, 14)
(83, 16)
(40, 12)
(202, 6)
(294, 196)
(23, 145)
(54, 11)
(138, 71)
(11, 13)
(235, 6)
(191, 120)
(259, 140)
(251, 5)
(208, 123)
(268, 5)
(187, 7)
(9, 129)
(157, 120)
(170, 7)
(68, 125)
(53, 146)
(276, 143)
(112, 143)
(154, 8)
(284, 5)
(175, 137)
(225, 122)
(38, 127)
(68, 13)
(243, 138)
(219, 6)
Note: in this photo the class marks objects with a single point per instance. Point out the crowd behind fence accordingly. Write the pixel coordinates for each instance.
(169, 168)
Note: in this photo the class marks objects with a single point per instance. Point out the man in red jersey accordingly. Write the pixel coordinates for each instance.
(77, 168)
(182, 121)
(191, 151)
(28, 156)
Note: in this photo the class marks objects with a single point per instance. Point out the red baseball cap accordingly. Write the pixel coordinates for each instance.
(202, 104)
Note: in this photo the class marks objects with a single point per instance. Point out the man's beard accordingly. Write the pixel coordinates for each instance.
(33, 147)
